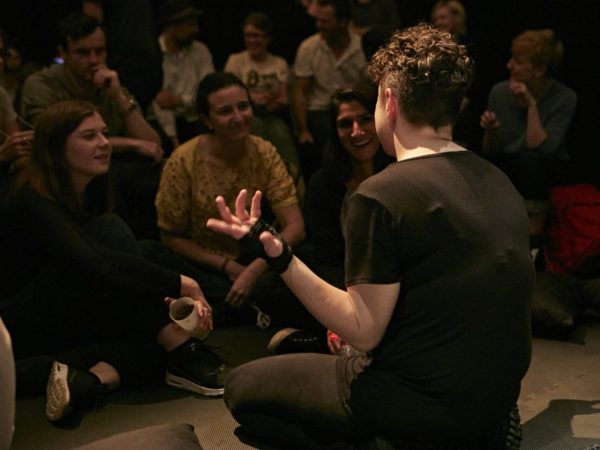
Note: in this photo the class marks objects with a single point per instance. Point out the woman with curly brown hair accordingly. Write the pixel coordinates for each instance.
(438, 280)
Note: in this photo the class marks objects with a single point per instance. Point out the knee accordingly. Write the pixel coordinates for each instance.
(234, 389)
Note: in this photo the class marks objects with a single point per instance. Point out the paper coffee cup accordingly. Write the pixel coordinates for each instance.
(184, 312)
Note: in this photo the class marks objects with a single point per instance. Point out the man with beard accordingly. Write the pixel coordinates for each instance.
(186, 62)
(326, 61)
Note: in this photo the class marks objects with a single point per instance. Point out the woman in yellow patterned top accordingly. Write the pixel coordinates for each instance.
(221, 163)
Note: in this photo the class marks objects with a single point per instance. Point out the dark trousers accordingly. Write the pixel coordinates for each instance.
(296, 401)
(59, 314)
(270, 294)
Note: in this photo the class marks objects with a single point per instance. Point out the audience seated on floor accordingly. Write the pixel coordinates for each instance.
(132, 50)
(15, 145)
(222, 162)
(186, 62)
(85, 76)
(87, 313)
(353, 154)
(326, 61)
(267, 78)
(527, 119)
(438, 277)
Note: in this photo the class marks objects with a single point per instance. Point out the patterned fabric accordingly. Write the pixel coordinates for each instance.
(191, 181)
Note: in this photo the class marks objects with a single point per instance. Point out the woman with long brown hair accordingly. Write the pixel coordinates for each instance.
(80, 284)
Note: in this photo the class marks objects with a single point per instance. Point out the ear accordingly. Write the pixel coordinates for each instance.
(391, 105)
(62, 52)
(541, 70)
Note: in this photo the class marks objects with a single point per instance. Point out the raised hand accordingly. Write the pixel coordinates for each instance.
(236, 225)
(239, 225)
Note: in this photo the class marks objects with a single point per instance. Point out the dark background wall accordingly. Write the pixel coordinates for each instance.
(491, 25)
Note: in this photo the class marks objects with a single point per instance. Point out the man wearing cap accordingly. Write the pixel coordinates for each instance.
(186, 62)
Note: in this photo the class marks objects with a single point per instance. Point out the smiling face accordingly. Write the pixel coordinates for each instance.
(230, 113)
(328, 24)
(256, 41)
(87, 151)
(443, 19)
(521, 67)
(356, 130)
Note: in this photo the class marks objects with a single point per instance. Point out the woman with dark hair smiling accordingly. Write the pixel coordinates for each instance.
(353, 154)
(81, 282)
(224, 160)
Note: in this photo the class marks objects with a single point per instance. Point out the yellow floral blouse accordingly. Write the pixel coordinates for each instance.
(190, 182)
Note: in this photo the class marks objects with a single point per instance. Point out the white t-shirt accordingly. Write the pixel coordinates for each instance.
(259, 76)
(315, 59)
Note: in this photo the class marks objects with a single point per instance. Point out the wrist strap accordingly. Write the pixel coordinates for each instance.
(278, 263)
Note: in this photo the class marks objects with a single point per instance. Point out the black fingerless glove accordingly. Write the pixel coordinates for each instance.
(250, 242)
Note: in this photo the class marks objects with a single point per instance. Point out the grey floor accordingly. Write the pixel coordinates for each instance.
(560, 400)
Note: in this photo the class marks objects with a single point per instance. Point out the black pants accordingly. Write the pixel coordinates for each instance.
(56, 313)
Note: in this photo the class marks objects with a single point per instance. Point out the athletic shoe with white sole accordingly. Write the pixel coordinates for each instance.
(293, 340)
(70, 389)
(194, 367)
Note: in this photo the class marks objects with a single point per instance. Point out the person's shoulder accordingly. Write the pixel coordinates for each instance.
(500, 86)
(200, 47)
(187, 149)
(310, 42)
(236, 58)
(261, 146)
(561, 89)
(276, 60)
(52, 77)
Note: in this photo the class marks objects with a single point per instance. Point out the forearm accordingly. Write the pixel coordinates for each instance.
(136, 124)
(490, 143)
(122, 144)
(293, 233)
(301, 110)
(535, 134)
(343, 312)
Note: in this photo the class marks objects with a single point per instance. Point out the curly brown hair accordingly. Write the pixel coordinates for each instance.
(428, 72)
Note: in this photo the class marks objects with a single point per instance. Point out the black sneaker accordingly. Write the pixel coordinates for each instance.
(293, 340)
(69, 389)
(193, 367)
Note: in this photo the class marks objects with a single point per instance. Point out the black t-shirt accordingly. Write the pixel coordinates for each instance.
(453, 231)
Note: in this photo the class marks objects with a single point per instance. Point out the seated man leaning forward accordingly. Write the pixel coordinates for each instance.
(85, 76)
(438, 280)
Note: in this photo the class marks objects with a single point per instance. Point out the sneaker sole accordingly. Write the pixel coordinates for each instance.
(184, 383)
(57, 392)
(278, 337)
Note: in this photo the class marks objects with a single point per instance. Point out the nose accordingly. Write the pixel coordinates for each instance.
(510, 64)
(103, 140)
(356, 129)
(237, 116)
(94, 57)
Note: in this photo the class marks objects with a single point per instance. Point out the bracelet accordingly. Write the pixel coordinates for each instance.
(130, 107)
(224, 265)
